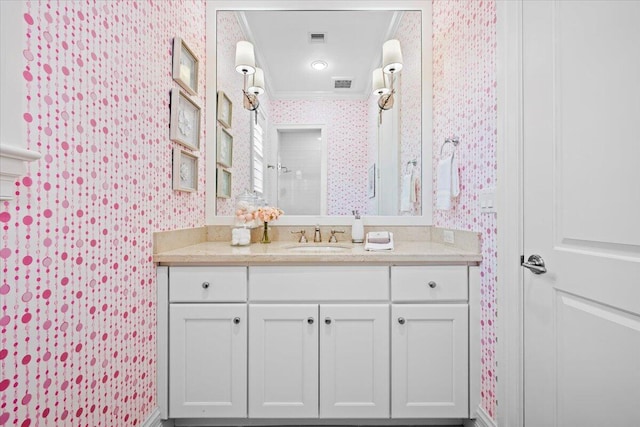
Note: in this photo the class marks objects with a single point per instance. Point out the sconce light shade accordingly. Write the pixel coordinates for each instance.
(391, 56)
(245, 58)
(379, 86)
(257, 82)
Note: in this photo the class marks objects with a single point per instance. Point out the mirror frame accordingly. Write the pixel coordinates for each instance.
(212, 7)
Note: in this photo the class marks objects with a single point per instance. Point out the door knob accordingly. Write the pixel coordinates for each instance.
(310, 320)
(236, 320)
(535, 263)
(327, 320)
(401, 320)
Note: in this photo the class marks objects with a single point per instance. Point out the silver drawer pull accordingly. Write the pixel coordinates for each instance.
(205, 285)
(432, 284)
(401, 320)
(310, 320)
(236, 320)
(327, 320)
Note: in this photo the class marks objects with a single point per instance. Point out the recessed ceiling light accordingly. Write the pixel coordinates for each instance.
(319, 65)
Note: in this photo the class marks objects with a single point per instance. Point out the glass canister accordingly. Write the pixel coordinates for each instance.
(245, 207)
(244, 220)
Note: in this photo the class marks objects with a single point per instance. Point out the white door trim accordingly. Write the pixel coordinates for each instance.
(510, 356)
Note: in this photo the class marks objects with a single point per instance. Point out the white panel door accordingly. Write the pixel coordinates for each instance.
(430, 363)
(354, 361)
(207, 360)
(581, 66)
(283, 361)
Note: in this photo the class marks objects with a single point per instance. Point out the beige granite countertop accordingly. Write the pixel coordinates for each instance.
(405, 252)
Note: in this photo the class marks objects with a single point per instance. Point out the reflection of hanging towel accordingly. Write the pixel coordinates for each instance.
(406, 193)
(415, 188)
(448, 185)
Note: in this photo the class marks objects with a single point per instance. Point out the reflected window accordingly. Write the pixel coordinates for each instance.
(258, 137)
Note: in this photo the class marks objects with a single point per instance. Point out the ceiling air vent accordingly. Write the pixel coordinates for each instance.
(317, 37)
(342, 82)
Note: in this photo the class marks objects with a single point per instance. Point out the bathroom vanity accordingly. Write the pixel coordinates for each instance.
(274, 331)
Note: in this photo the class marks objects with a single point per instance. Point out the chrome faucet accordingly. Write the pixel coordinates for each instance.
(317, 236)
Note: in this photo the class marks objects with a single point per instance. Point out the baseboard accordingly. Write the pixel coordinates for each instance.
(483, 420)
(153, 420)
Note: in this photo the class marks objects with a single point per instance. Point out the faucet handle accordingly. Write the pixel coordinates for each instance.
(303, 237)
(333, 238)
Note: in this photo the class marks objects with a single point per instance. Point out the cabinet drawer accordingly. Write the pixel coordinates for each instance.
(319, 283)
(444, 283)
(213, 284)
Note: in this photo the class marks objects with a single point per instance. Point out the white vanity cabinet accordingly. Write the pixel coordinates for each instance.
(207, 342)
(310, 341)
(317, 342)
(430, 342)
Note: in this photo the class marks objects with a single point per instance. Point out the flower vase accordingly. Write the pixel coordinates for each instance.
(265, 234)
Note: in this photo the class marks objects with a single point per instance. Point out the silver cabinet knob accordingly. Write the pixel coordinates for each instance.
(401, 320)
(236, 320)
(310, 320)
(327, 320)
(432, 284)
(205, 285)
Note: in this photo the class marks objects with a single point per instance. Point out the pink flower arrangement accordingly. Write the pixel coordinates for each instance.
(268, 213)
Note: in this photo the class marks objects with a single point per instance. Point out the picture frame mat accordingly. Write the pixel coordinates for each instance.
(186, 77)
(180, 122)
(224, 155)
(185, 170)
(224, 110)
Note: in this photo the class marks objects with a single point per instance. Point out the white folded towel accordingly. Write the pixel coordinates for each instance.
(370, 246)
(378, 237)
(448, 184)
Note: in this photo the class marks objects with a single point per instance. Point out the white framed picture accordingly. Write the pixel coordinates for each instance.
(223, 183)
(185, 120)
(185, 66)
(225, 109)
(185, 171)
(225, 148)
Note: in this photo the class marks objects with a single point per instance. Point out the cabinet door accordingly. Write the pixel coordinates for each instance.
(207, 360)
(429, 361)
(283, 361)
(354, 361)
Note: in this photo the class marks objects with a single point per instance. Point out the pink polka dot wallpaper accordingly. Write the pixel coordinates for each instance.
(77, 289)
(465, 105)
(77, 281)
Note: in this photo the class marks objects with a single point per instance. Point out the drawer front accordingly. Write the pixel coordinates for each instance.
(207, 284)
(319, 283)
(432, 283)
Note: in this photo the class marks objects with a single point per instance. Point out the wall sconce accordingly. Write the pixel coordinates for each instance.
(391, 64)
(253, 76)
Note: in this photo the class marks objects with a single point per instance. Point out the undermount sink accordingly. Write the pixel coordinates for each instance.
(318, 248)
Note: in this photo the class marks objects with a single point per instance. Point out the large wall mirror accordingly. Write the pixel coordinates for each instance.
(319, 146)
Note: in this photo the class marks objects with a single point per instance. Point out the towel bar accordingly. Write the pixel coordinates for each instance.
(453, 140)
